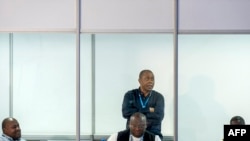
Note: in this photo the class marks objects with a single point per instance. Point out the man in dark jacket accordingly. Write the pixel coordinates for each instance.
(136, 132)
(147, 101)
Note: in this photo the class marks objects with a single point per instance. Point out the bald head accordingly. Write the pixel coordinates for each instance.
(137, 124)
(138, 116)
(6, 120)
(10, 127)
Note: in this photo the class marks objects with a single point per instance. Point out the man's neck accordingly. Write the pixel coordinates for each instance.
(144, 92)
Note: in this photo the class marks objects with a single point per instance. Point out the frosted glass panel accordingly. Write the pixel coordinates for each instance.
(213, 84)
(44, 83)
(128, 15)
(86, 85)
(119, 59)
(30, 15)
(4, 75)
(214, 15)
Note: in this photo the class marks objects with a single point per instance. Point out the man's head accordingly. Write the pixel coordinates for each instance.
(237, 120)
(146, 80)
(137, 124)
(11, 128)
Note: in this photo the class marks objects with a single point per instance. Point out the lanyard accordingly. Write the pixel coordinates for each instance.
(143, 105)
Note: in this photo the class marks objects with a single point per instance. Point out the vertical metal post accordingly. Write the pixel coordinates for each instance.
(93, 84)
(11, 74)
(176, 69)
(78, 67)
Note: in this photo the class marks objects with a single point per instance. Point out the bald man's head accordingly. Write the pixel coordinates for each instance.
(11, 128)
(137, 124)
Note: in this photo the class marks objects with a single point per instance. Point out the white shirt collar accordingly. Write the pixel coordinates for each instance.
(133, 138)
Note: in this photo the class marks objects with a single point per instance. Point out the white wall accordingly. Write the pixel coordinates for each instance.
(213, 81)
(4, 75)
(213, 84)
(44, 83)
(119, 60)
(45, 86)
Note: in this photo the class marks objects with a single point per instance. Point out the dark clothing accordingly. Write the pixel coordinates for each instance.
(133, 103)
(124, 136)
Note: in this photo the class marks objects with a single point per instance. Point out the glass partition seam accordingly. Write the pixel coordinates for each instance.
(93, 82)
(11, 74)
(211, 31)
(160, 31)
(78, 101)
(38, 30)
(175, 70)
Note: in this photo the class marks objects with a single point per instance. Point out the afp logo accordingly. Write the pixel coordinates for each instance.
(236, 132)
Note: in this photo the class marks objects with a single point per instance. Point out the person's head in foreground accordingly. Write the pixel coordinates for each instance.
(138, 124)
(11, 128)
(237, 120)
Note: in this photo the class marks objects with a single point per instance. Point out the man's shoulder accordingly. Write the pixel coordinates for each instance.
(132, 92)
(3, 138)
(149, 133)
(156, 93)
(112, 137)
(123, 131)
(152, 136)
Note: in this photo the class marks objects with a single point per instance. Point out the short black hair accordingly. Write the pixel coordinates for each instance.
(239, 119)
(144, 71)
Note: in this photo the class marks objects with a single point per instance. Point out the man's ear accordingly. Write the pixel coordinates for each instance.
(4, 130)
(139, 80)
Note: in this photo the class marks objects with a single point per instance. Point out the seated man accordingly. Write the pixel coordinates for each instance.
(11, 130)
(136, 132)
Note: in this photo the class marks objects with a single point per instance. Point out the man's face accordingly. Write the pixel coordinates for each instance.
(235, 122)
(137, 128)
(12, 129)
(147, 81)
